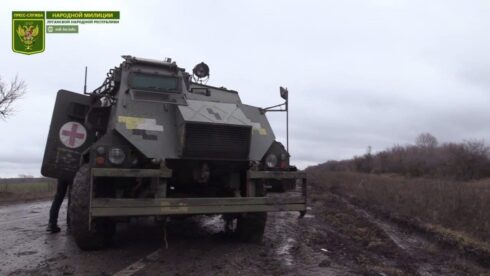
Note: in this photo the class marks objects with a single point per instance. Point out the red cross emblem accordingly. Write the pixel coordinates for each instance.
(73, 134)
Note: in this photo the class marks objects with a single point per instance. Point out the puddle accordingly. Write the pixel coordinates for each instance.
(284, 251)
(25, 253)
(213, 224)
(14, 228)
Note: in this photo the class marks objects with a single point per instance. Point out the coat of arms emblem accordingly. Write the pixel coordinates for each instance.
(27, 33)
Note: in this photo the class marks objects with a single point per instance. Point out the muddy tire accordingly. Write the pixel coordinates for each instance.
(250, 227)
(102, 229)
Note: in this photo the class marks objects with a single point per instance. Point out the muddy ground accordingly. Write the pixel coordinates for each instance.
(335, 238)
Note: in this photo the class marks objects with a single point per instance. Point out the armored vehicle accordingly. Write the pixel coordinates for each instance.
(154, 140)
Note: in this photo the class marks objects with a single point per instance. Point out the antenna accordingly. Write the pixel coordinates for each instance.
(85, 83)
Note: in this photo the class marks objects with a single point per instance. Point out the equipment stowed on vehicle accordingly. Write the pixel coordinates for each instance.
(153, 140)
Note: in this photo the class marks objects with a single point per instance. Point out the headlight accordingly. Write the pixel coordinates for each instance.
(116, 156)
(271, 160)
(284, 156)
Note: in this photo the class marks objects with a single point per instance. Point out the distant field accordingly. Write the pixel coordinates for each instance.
(12, 189)
(27, 187)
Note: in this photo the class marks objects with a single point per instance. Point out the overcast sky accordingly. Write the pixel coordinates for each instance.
(360, 73)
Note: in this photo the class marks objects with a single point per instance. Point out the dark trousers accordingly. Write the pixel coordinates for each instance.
(61, 189)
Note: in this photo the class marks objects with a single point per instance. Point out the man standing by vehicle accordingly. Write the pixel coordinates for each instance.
(61, 188)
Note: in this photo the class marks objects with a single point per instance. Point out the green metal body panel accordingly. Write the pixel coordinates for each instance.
(116, 172)
(191, 210)
(113, 207)
(163, 116)
(149, 121)
(276, 175)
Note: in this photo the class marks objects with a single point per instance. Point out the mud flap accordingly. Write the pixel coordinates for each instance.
(68, 136)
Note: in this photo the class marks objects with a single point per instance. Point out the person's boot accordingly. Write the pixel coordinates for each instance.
(53, 228)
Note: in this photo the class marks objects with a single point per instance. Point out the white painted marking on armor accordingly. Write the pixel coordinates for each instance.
(219, 113)
(140, 123)
(138, 265)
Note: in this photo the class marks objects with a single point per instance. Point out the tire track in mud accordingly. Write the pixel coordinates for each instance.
(202, 248)
(26, 248)
(293, 246)
(334, 238)
(23, 234)
(379, 246)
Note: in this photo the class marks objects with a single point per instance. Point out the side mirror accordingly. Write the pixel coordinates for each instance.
(284, 93)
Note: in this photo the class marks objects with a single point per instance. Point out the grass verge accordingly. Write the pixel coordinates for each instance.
(26, 189)
(454, 213)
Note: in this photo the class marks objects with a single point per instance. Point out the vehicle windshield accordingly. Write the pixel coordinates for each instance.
(154, 82)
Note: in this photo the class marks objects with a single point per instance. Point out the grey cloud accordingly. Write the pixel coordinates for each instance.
(360, 73)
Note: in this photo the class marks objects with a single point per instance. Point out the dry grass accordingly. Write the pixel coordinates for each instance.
(35, 187)
(25, 189)
(461, 207)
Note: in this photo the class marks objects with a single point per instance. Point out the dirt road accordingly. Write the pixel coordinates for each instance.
(335, 238)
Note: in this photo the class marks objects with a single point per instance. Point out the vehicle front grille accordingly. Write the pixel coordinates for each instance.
(215, 141)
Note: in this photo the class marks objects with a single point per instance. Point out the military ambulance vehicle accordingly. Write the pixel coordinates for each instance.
(154, 140)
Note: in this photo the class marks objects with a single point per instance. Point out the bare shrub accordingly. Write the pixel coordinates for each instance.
(426, 140)
(9, 94)
(460, 161)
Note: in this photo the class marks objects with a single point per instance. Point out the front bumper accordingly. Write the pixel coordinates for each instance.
(112, 207)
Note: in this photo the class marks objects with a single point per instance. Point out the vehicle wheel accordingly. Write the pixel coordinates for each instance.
(250, 227)
(102, 229)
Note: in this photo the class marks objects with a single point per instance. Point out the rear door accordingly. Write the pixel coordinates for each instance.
(68, 136)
